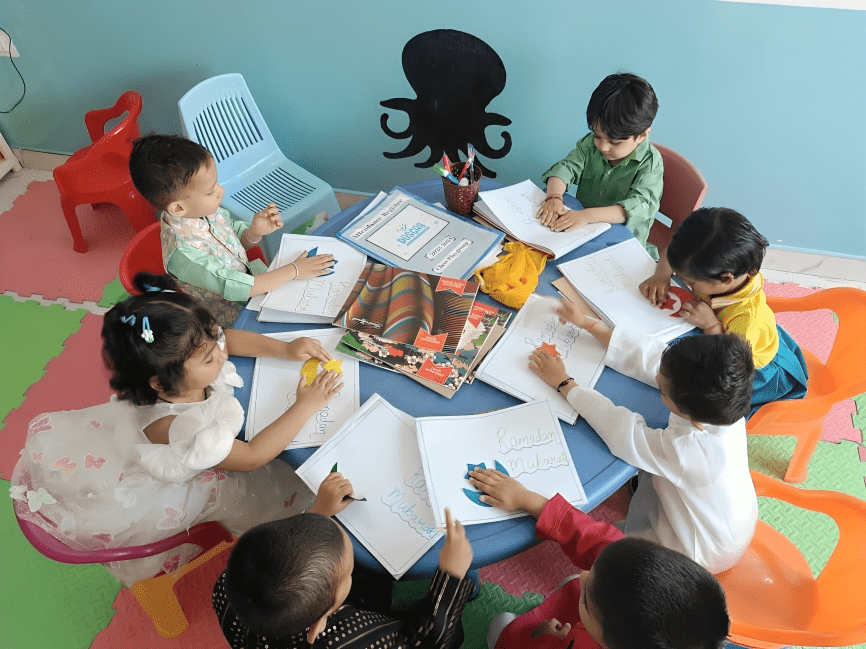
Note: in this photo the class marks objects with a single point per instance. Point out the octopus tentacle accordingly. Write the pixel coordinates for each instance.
(402, 135)
(416, 145)
(407, 106)
(484, 147)
(435, 155)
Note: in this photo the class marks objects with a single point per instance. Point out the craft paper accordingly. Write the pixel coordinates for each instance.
(275, 382)
(609, 281)
(537, 326)
(527, 443)
(377, 450)
(317, 299)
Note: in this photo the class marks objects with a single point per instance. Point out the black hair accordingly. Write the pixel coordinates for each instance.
(712, 241)
(652, 597)
(624, 105)
(178, 323)
(710, 377)
(282, 576)
(161, 166)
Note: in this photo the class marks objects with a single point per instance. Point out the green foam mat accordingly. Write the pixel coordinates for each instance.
(113, 293)
(45, 603)
(30, 335)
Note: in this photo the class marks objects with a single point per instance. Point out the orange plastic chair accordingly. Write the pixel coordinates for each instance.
(843, 377)
(156, 595)
(144, 253)
(683, 193)
(774, 600)
(99, 173)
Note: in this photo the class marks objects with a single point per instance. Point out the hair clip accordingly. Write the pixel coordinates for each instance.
(146, 331)
(151, 289)
(128, 319)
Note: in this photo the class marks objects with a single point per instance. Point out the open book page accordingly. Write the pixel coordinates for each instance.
(524, 441)
(377, 450)
(514, 208)
(536, 326)
(275, 384)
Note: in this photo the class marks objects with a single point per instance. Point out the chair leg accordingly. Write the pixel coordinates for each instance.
(807, 442)
(156, 596)
(138, 211)
(68, 207)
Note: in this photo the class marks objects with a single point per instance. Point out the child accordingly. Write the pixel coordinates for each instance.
(202, 245)
(698, 497)
(163, 456)
(287, 582)
(617, 171)
(718, 253)
(631, 592)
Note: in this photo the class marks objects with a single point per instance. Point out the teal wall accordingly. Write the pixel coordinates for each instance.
(768, 101)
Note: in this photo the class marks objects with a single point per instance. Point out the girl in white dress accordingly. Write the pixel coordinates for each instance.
(162, 456)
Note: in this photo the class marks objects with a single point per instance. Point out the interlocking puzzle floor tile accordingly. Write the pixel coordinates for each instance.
(30, 336)
(113, 293)
(75, 379)
(40, 259)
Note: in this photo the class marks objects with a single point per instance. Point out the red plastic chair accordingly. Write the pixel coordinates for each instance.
(99, 173)
(156, 595)
(144, 253)
(774, 600)
(683, 193)
(843, 377)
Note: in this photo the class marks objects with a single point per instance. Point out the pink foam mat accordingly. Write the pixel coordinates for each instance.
(39, 259)
(75, 379)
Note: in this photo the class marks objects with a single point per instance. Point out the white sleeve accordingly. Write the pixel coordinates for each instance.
(635, 355)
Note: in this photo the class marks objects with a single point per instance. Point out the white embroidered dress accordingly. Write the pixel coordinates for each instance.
(93, 480)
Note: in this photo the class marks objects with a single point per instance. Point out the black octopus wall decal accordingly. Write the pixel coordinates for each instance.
(455, 76)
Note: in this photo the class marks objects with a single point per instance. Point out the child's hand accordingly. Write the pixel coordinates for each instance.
(303, 349)
(456, 555)
(570, 312)
(571, 220)
(549, 368)
(552, 627)
(332, 496)
(266, 221)
(313, 266)
(550, 211)
(505, 492)
(319, 393)
(699, 313)
(656, 288)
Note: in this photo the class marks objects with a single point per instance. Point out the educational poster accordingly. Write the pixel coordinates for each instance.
(317, 299)
(609, 281)
(525, 442)
(377, 450)
(275, 382)
(537, 326)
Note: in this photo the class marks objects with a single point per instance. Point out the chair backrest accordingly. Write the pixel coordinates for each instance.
(144, 253)
(683, 193)
(772, 595)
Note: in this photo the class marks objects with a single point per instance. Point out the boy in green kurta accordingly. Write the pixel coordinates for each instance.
(617, 171)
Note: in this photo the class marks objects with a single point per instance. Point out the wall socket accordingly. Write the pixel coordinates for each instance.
(6, 45)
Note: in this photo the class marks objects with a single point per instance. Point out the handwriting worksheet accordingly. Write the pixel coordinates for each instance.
(377, 450)
(524, 441)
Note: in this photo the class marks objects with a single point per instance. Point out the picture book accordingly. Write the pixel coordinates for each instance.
(513, 209)
(317, 299)
(377, 451)
(537, 326)
(609, 281)
(405, 306)
(524, 442)
(275, 383)
(405, 231)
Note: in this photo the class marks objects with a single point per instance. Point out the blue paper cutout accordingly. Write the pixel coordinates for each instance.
(314, 252)
(475, 495)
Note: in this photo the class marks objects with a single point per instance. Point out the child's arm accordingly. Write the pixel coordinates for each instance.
(248, 343)
(553, 207)
(273, 440)
(655, 288)
(303, 267)
(574, 219)
(262, 223)
(699, 313)
(570, 312)
(332, 496)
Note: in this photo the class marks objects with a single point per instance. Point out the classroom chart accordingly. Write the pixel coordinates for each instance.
(609, 281)
(377, 450)
(537, 326)
(275, 384)
(524, 441)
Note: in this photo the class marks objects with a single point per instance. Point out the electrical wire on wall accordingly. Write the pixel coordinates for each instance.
(12, 60)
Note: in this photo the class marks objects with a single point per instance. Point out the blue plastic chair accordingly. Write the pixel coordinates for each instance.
(221, 115)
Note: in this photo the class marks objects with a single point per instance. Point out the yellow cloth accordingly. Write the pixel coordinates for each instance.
(513, 278)
(746, 313)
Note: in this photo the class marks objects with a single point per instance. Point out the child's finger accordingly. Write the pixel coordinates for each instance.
(448, 522)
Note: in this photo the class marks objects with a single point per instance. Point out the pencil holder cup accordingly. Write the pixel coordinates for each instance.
(459, 198)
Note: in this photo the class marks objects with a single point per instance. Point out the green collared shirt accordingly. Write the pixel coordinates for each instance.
(635, 183)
